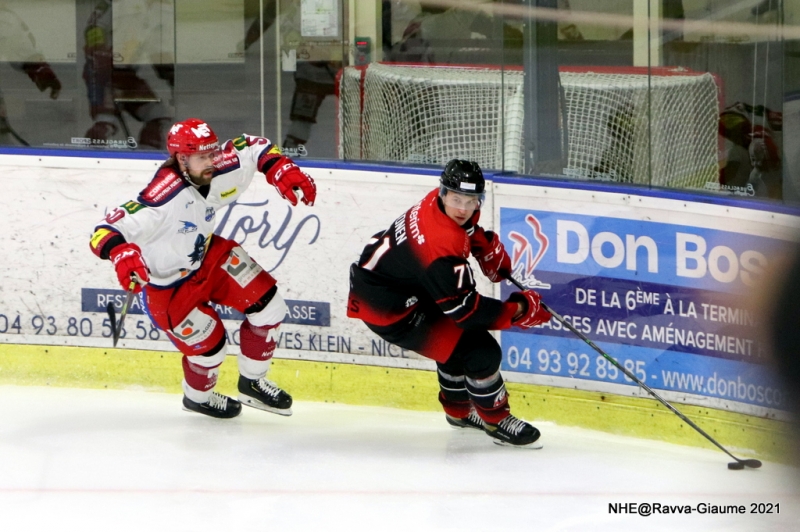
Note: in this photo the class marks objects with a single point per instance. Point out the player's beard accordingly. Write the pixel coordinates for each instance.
(204, 178)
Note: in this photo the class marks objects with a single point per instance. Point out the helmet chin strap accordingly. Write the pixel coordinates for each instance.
(185, 170)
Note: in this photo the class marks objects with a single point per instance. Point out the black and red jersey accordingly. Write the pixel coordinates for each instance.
(422, 255)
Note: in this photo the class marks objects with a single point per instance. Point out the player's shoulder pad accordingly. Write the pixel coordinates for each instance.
(165, 185)
(434, 233)
(448, 238)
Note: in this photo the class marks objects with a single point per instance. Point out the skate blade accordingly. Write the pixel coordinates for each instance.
(208, 415)
(533, 445)
(253, 403)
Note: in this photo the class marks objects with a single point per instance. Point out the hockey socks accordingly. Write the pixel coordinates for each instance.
(489, 397)
(453, 396)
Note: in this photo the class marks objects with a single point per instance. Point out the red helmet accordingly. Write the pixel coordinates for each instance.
(191, 136)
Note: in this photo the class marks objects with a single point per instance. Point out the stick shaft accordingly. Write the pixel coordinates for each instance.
(627, 373)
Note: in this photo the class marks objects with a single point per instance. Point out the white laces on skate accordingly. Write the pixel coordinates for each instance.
(512, 425)
(217, 401)
(475, 418)
(268, 387)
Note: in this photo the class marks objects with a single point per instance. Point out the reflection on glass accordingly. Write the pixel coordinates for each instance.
(310, 48)
(119, 40)
(689, 94)
(18, 47)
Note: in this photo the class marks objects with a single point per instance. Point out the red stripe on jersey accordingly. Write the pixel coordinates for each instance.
(446, 299)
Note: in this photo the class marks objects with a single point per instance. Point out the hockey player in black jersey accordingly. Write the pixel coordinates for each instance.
(413, 287)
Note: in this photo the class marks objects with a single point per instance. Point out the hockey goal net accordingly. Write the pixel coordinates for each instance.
(621, 122)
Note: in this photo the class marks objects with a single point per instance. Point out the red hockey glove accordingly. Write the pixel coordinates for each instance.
(128, 261)
(533, 313)
(287, 178)
(492, 257)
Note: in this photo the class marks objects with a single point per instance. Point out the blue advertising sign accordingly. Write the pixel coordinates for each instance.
(667, 301)
(317, 313)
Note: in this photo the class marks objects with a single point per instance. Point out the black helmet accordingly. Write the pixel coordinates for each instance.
(463, 177)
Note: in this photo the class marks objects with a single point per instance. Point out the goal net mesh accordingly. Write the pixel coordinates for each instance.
(624, 126)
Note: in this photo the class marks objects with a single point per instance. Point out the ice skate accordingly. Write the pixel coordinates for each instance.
(514, 432)
(264, 395)
(472, 421)
(217, 406)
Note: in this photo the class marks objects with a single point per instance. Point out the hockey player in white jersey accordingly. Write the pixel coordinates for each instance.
(164, 244)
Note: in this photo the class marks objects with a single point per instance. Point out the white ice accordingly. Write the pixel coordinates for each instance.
(120, 461)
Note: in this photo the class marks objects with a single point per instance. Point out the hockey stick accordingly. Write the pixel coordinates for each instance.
(117, 329)
(738, 464)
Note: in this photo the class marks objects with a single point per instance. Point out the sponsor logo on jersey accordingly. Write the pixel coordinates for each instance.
(132, 206)
(226, 162)
(210, 212)
(411, 301)
(526, 253)
(228, 193)
(413, 224)
(195, 328)
(161, 187)
(189, 203)
(188, 227)
(98, 236)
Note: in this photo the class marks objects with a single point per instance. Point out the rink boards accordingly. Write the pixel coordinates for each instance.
(665, 285)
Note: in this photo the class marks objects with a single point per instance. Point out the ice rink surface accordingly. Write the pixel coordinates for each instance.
(135, 461)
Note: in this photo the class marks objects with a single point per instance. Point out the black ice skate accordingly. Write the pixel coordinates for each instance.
(472, 421)
(264, 395)
(513, 431)
(217, 406)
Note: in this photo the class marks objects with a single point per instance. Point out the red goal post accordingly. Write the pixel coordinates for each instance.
(621, 121)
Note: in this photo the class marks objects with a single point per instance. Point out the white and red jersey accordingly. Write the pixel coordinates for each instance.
(172, 220)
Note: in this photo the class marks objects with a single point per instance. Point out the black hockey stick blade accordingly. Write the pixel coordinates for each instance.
(116, 328)
(125, 306)
(741, 464)
(112, 319)
(738, 464)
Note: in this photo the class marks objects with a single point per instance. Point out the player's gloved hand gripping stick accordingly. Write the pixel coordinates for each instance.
(738, 464)
(132, 274)
(117, 328)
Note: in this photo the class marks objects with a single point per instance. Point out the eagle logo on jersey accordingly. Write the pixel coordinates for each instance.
(199, 249)
(188, 227)
(526, 254)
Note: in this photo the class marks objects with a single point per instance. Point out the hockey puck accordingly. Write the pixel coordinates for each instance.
(735, 465)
